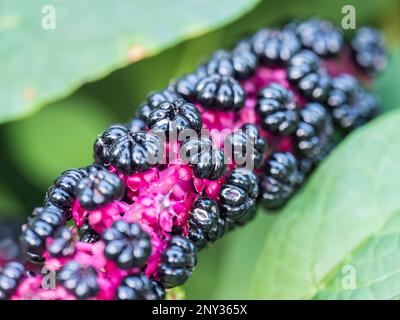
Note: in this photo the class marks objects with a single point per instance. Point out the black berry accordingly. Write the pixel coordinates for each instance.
(320, 36)
(274, 46)
(139, 287)
(247, 145)
(10, 275)
(313, 135)
(369, 50)
(179, 114)
(135, 125)
(351, 105)
(238, 196)
(79, 280)
(280, 180)
(127, 244)
(63, 243)
(87, 234)
(206, 160)
(135, 152)
(103, 143)
(203, 217)
(99, 188)
(153, 100)
(220, 92)
(277, 109)
(177, 262)
(305, 72)
(42, 225)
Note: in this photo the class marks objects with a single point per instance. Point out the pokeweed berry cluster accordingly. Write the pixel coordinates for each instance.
(127, 227)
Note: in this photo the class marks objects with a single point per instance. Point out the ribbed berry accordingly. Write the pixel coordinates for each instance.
(203, 217)
(139, 287)
(238, 196)
(280, 180)
(313, 135)
(42, 225)
(206, 160)
(177, 262)
(351, 105)
(135, 125)
(10, 275)
(87, 234)
(63, 243)
(79, 280)
(220, 92)
(369, 50)
(247, 145)
(239, 63)
(61, 193)
(277, 109)
(320, 36)
(219, 229)
(179, 114)
(127, 244)
(153, 100)
(185, 86)
(312, 81)
(135, 152)
(275, 47)
(98, 188)
(103, 143)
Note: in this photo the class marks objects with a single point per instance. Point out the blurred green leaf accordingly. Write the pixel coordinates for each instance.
(347, 214)
(9, 203)
(57, 138)
(91, 38)
(387, 85)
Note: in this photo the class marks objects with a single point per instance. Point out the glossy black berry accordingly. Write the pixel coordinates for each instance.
(10, 275)
(238, 196)
(280, 180)
(178, 115)
(139, 287)
(203, 217)
(177, 262)
(88, 235)
(135, 125)
(185, 86)
(220, 92)
(127, 244)
(277, 109)
(79, 280)
(135, 152)
(153, 100)
(61, 193)
(320, 36)
(206, 160)
(369, 50)
(62, 244)
(247, 146)
(305, 72)
(275, 47)
(99, 188)
(239, 63)
(313, 135)
(218, 230)
(42, 225)
(351, 105)
(103, 143)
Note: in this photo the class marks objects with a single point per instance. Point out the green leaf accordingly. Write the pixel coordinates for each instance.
(347, 215)
(91, 38)
(387, 83)
(57, 138)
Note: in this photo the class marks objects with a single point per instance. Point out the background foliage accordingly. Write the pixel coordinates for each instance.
(60, 88)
